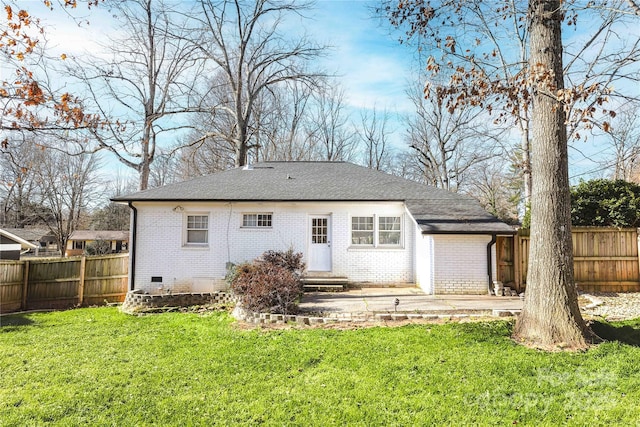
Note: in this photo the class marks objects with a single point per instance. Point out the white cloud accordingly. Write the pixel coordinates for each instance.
(372, 66)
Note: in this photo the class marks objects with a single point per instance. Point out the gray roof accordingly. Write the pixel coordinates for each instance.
(23, 243)
(99, 235)
(461, 216)
(437, 210)
(32, 234)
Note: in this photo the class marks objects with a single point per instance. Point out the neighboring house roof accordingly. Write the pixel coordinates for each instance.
(23, 243)
(108, 235)
(437, 210)
(32, 234)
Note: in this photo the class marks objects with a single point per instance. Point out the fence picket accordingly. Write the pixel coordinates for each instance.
(605, 259)
(62, 282)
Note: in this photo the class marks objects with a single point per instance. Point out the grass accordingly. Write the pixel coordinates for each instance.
(101, 367)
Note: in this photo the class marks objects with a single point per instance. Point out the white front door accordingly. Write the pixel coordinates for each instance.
(320, 243)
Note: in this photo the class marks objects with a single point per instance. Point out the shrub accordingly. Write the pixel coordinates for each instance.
(99, 247)
(602, 202)
(271, 283)
(290, 260)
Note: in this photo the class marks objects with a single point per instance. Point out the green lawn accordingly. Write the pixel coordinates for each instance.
(98, 366)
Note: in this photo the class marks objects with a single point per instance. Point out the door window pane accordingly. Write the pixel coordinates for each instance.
(319, 230)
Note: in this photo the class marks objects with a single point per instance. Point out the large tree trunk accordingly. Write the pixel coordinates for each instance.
(551, 317)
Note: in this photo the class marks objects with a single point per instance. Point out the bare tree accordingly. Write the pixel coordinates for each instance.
(147, 85)
(405, 164)
(448, 144)
(206, 157)
(66, 187)
(496, 185)
(19, 165)
(551, 317)
(598, 63)
(164, 170)
(114, 216)
(211, 145)
(374, 133)
(333, 135)
(625, 141)
(280, 121)
(249, 55)
(283, 135)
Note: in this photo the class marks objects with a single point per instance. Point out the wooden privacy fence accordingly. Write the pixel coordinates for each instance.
(62, 283)
(604, 259)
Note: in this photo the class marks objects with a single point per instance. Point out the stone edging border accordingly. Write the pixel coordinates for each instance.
(137, 302)
(242, 314)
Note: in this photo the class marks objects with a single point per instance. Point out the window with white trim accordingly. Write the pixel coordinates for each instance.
(376, 231)
(256, 220)
(197, 230)
(362, 230)
(389, 230)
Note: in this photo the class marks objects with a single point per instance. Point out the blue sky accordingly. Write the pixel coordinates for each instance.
(371, 64)
(373, 68)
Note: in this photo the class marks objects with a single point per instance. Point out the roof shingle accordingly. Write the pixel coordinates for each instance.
(436, 210)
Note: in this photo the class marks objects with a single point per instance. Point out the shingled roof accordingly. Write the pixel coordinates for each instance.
(99, 235)
(435, 210)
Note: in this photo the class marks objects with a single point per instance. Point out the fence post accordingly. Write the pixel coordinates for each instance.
(25, 285)
(516, 262)
(83, 263)
(638, 244)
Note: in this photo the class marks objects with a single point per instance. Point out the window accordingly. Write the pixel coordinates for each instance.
(256, 220)
(319, 230)
(197, 229)
(389, 230)
(78, 244)
(376, 231)
(362, 230)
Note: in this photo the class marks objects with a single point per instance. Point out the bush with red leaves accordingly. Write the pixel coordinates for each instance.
(269, 284)
(290, 260)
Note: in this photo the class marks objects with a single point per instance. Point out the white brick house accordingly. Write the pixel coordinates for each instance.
(348, 221)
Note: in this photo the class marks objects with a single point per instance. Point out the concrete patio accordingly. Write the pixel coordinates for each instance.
(410, 300)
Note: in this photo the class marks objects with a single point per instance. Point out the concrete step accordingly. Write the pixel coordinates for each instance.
(323, 288)
(326, 284)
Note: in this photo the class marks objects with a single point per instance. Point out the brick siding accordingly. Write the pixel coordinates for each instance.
(160, 251)
(460, 264)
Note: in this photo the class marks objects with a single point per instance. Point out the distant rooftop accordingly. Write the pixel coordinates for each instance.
(99, 235)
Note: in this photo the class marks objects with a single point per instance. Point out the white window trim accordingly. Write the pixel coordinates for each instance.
(185, 220)
(256, 227)
(376, 232)
(373, 231)
(376, 226)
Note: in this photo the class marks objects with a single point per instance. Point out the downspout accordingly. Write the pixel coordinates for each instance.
(132, 248)
(490, 261)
